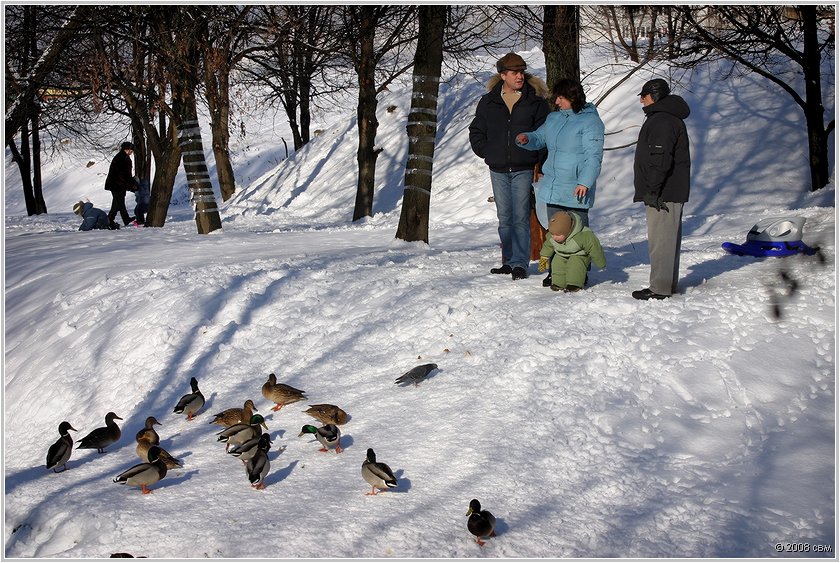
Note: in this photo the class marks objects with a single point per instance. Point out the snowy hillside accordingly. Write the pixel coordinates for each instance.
(591, 425)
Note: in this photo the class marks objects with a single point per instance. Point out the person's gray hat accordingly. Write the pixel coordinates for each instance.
(511, 61)
(657, 88)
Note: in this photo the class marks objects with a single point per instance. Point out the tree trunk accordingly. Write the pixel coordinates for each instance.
(217, 84)
(167, 160)
(422, 124)
(814, 110)
(366, 115)
(195, 164)
(23, 166)
(561, 43)
(37, 184)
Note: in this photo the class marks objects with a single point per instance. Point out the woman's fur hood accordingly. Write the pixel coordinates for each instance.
(536, 83)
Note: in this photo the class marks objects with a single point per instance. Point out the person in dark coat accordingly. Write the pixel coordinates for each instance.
(661, 176)
(92, 217)
(119, 181)
(515, 103)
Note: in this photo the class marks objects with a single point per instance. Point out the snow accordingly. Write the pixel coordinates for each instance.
(590, 424)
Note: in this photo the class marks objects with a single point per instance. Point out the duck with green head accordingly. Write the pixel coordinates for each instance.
(240, 433)
(192, 402)
(258, 466)
(328, 435)
(377, 474)
(481, 523)
(144, 474)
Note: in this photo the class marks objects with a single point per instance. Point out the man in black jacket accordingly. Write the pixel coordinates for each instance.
(119, 181)
(515, 103)
(661, 175)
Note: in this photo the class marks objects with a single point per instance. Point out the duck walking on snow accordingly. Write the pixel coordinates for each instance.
(416, 374)
(481, 523)
(235, 415)
(280, 393)
(377, 474)
(240, 433)
(327, 414)
(59, 452)
(328, 435)
(102, 437)
(258, 466)
(247, 450)
(190, 403)
(144, 474)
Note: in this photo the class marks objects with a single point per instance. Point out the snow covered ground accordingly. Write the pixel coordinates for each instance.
(591, 425)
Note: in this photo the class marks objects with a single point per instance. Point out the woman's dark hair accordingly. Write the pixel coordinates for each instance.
(572, 91)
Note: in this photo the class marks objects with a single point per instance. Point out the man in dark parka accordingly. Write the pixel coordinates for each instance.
(119, 181)
(661, 175)
(515, 103)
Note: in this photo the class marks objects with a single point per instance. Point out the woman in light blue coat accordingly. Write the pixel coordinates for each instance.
(574, 137)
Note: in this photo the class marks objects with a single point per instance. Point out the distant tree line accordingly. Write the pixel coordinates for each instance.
(154, 65)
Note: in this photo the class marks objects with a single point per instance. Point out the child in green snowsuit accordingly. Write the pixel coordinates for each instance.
(573, 247)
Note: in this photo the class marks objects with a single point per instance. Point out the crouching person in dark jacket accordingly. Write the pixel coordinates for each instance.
(92, 217)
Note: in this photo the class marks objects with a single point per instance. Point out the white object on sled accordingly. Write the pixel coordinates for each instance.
(777, 229)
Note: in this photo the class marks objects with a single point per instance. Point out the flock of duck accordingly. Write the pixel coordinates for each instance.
(243, 437)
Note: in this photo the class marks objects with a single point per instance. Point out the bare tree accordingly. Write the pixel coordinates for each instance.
(374, 39)
(422, 124)
(28, 67)
(769, 41)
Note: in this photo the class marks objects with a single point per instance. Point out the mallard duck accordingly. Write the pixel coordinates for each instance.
(377, 474)
(327, 414)
(144, 474)
(416, 374)
(328, 435)
(246, 450)
(280, 393)
(258, 466)
(102, 437)
(148, 433)
(59, 453)
(168, 459)
(190, 403)
(145, 442)
(480, 523)
(241, 433)
(235, 415)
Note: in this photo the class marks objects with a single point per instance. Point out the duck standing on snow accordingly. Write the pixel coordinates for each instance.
(377, 474)
(144, 474)
(59, 453)
(416, 375)
(148, 433)
(240, 433)
(481, 523)
(327, 414)
(328, 435)
(147, 438)
(280, 393)
(247, 450)
(190, 403)
(258, 466)
(102, 437)
(235, 415)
